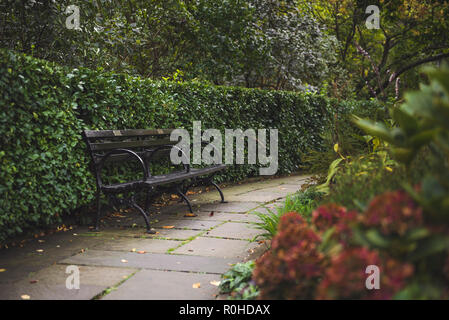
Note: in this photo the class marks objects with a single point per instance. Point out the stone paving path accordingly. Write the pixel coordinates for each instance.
(123, 262)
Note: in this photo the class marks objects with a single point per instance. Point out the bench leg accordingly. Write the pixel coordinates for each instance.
(97, 220)
(219, 190)
(145, 216)
(147, 202)
(183, 196)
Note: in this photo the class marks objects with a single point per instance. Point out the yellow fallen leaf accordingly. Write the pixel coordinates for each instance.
(25, 297)
(133, 250)
(39, 250)
(389, 169)
(2, 270)
(168, 227)
(124, 261)
(196, 285)
(215, 283)
(336, 147)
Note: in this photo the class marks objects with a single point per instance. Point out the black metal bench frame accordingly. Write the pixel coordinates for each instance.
(144, 146)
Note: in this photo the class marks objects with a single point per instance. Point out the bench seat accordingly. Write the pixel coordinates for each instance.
(159, 180)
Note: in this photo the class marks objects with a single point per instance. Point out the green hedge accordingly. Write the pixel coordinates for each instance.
(44, 107)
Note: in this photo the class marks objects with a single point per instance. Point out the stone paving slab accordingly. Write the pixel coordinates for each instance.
(284, 188)
(242, 188)
(166, 285)
(215, 242)
(156, 261)
(139, 233)
(185, 223)
(234, 230)
(50, 283)
(133, 219)
(214, 247)
(230, 206)
(258, 196)
(19, 262)
(147, 245)
(222, 216)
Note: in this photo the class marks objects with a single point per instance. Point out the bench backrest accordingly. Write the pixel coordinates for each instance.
(100, 142)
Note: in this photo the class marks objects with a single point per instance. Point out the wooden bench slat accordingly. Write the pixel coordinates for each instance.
(120, 157)
(126, 133)
(104, 146)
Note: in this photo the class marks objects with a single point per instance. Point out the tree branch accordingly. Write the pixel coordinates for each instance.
(411, 66)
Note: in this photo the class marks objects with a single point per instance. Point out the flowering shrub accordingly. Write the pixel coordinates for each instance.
(345, 277)
(332, 215)
(412, 227)
(326, 216)
(291, 269)
(327, 259)
(393, 213)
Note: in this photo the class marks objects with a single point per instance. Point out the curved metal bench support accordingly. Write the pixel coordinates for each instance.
(184, 197)
(219, 190)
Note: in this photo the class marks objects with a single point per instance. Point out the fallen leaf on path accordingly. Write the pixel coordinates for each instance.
(34, 281)
(25, 297)
(189, 193)
(124, 261)
(190, 215)
(40, 241)
(141, 251)
(215, 283)
(196, 285)
(118, 215)
(133, 250)
(168, 227)
(39, 250)
(211, 214)
(2, 270)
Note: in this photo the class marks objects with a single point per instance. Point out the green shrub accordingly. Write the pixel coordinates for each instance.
(421, 123)
(343, 132)
(237, 282)
(403, 232)
(359, 179)
(302, 202)
(44, 107)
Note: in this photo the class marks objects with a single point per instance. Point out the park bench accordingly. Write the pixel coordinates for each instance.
(147, 148)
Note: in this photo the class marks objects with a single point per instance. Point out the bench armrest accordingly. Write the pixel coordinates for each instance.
(100, 164)
(168, 146)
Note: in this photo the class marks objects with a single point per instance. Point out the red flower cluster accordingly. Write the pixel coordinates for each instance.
(290, 270)
(346, 276)
(295, 268)
(332, 215)
(393, 213)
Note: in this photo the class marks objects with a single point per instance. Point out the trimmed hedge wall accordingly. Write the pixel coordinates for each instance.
(44, 107)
